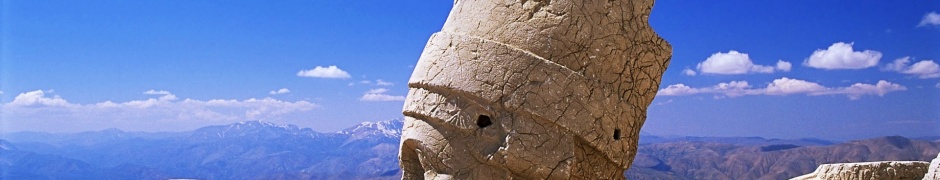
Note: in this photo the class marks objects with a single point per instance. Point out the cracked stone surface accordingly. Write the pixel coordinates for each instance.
(524, 89)
(883, 170)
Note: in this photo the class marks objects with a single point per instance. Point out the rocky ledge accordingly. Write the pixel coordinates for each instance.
(933, 172)
(887, 170)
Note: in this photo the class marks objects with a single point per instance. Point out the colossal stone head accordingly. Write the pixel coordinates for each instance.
(552, 89)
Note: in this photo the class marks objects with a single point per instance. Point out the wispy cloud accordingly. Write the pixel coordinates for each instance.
(380, 94)
(734, 62)
(925, 69)
(324, 72)
(380, 82)
(664, 102)
(784, 86)
(910, 122)
(155, 92)
(784, 66)
(930, 19)
(689, 72)
(279, 91)
(166, 94)
(377, 82)
(840, 55)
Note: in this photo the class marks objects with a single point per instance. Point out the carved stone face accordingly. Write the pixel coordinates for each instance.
(457, 137)
(532, 90)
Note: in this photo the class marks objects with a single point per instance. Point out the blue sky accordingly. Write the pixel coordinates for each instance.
(832, 69)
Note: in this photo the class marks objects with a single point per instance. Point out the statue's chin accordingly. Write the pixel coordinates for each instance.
(430, 152)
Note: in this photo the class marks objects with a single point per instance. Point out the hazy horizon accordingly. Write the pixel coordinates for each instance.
(837, 70)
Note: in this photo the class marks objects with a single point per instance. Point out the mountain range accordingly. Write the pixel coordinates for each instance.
(263, 150)
(246, 150)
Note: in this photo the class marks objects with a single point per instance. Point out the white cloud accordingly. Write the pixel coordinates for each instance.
(37, 107)
(784, 66)
(677, 90)
(930, 19)
(324, 72)
(280, 91)
(923, 69)
(733, 88)
(1, 92)
(784, 86)
(38, 98)
(380, 82)
(380, 95)
(840, 55)
(937, 86)
(689, 72)
(732, 62)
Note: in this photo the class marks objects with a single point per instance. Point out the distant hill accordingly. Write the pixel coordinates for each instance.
(646, 138)
(262, 150)
(712, 160)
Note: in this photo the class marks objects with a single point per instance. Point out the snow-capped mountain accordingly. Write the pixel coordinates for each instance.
(388, 129)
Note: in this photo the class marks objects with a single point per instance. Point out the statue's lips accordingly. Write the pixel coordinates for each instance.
(491, 73)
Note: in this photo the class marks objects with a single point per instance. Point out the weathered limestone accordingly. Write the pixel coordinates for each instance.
(532, 90)
(933, 171)
(883, 170)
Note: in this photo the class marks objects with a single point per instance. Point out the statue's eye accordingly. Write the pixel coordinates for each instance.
(616, 134)
(484, 121)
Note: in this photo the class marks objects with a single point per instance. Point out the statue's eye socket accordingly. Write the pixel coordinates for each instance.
(484, 121)
(616, 134)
